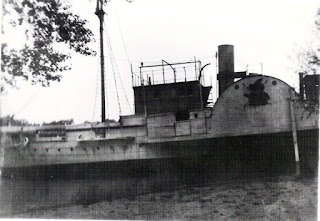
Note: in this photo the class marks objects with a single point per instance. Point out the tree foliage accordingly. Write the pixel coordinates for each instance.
(46, 24)
(309, 59)
(60, 122)
(9, 120)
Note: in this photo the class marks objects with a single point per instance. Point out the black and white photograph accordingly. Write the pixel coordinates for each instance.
(159, 109)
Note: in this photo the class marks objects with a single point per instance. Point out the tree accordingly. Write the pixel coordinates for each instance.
(9, 120)
(60, 122)
(46, 23)
(309, 59)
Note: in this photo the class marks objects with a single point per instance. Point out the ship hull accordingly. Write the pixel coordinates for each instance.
(264, 153)
(239, 132)
(94, 170)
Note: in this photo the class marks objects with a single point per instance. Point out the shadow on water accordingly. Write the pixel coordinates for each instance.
(20, 194)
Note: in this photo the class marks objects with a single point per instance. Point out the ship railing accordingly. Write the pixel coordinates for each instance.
(167, 73)
(137, 82)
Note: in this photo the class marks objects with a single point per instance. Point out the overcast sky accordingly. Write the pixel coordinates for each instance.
(148, 31)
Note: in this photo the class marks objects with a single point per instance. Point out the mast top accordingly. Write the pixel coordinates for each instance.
(99, 9)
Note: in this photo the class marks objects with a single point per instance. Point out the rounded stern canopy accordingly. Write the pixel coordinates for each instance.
(256, 105)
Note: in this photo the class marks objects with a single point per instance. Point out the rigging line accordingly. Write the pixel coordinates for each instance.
(128, 59)
(125, 94)
(118, 73)
(107, 102)
(97, 85)
(113, 66)
(28, 102)
(157, 61)
(167, 69)
(134, 61)
(107, 106)
(124, 45)
(146, 62)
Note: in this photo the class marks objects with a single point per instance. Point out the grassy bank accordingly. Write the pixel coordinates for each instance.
(280, 198)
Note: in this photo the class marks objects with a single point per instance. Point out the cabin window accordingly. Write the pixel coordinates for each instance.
(182, 115)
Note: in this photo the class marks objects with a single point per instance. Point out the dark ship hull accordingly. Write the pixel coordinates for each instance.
(265, 154)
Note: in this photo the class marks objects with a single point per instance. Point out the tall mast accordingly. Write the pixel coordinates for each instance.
(100, 13)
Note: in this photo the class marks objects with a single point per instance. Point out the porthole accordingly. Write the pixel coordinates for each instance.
(274, 83)
(35, 150)
(195, 115)
(84, 148)
(59, 149)
(98, 148)
(47, 150)
(71, 149)
(236, 87)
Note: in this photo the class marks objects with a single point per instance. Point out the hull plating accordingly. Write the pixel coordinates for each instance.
(266, 153)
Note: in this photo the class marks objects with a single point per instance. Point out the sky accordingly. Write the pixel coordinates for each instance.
(266, 35)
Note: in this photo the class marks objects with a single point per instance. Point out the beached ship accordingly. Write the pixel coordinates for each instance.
(256, 118)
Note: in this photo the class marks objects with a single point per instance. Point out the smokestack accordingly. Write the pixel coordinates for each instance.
(226, 67)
